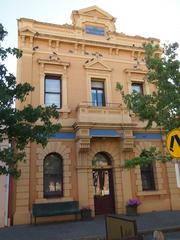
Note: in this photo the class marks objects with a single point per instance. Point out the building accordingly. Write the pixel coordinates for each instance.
(4, 196)
(77, 67)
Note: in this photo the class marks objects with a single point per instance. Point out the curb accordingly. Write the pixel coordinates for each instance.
(163, 229)
(144, 232)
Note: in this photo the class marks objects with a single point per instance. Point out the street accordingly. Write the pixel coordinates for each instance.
(168, 236)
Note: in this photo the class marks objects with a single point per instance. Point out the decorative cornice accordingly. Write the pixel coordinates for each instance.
(85, 12)
(91, 64)
(135, 70)
(69, 26)
(27, 31)
(53, 62)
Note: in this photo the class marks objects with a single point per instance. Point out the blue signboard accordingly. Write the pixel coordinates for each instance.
(95, 30)
(149, 136)
(105, 133)
(63, 135)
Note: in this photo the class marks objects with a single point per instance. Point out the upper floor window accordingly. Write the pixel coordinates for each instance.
(53, 176)
(97, 93)
(53, 94)
(95, 30)
(137, 87)
(147, 178)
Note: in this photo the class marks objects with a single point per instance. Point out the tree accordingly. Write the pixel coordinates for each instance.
(162, 106)
(20, 126)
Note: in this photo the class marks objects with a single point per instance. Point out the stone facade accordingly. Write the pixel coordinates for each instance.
(89, 49)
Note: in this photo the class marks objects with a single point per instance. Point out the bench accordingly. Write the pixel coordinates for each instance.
(55, 209)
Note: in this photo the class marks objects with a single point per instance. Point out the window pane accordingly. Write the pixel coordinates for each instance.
(97, 84)
(52, 85)
(95, 30)
(53, 176)
(137, 88)
(52, 164)
(53, 183)
(100, 159)
(100, 97)
(101, 182)
(51, 98)
(94, 100)
(147, 177)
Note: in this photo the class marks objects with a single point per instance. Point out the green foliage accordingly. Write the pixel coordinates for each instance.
(20, 126)
(163, 105)
(146, 158)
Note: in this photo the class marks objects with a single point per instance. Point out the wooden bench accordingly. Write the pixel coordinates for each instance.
(55, 209)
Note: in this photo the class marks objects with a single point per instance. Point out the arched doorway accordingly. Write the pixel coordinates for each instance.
(103, 184)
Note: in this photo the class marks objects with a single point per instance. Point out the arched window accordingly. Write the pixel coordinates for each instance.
(101, 159)
(53, 176)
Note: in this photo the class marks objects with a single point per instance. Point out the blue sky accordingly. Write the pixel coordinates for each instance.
(148, 18)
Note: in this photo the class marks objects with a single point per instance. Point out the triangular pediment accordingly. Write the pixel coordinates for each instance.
(26, 31)
(96, 64)
(53, 59)
(94, 16)
(95, 11)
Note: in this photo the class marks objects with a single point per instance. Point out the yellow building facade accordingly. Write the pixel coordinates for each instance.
(77, 67)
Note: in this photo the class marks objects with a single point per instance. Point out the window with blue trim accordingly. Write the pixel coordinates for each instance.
(95, 30)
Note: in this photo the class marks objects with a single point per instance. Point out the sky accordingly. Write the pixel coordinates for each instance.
(148, 18)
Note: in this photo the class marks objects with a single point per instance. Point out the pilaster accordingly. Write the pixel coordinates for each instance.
(22, 212)
(127, 146)
(83, 147)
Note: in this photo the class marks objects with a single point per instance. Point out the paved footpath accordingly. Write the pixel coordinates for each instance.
(95, 229)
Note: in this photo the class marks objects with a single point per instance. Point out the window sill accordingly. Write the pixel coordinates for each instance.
(152, 193)
(64, 110)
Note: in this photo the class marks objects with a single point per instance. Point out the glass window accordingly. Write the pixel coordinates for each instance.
(53, 176)
(53, 91)
(97, 93)
(101, 182)
(95, 30)
(137, 87)
(101, 160)
(147, 178)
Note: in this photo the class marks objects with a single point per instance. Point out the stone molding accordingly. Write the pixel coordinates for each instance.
(127, 142)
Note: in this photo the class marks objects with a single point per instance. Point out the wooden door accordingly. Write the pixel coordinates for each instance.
(103, 191)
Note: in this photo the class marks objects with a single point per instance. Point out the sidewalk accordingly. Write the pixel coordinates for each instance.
(95, 229)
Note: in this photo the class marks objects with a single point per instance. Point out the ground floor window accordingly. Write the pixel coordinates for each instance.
(147, 178)
(53, 176)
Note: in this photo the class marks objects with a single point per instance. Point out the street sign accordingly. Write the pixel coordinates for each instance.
(173, 143)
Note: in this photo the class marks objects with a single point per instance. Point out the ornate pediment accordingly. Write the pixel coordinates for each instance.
(95, 11)
(96, 64)
(53, 59)
(93, 16)
(27, 31)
